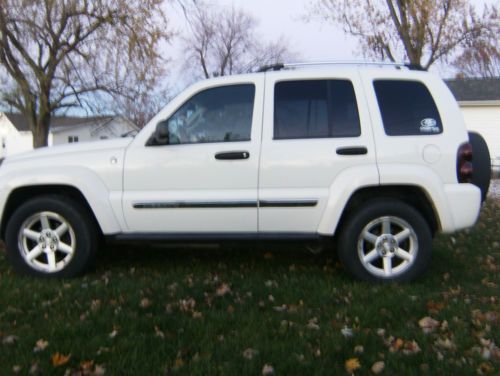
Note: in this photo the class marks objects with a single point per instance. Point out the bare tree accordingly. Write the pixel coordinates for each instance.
(224, 41)
(55, 54)
(420, 31)
(480, 58)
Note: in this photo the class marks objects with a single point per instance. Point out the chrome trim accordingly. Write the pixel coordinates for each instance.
(225, 204)
(195, 205)
(287, 203)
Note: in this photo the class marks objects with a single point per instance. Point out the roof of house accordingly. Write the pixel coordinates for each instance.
(475, 89)
(21, 123)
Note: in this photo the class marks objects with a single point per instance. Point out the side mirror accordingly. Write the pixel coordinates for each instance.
(160, 135)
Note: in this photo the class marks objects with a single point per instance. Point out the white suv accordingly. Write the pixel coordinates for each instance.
(377, 159)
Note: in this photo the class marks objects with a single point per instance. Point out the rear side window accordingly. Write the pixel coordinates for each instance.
(315, 109)
(407, 108)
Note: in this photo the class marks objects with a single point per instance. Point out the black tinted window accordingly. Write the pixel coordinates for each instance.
(221, 114)
(407, 108)
(315, 109)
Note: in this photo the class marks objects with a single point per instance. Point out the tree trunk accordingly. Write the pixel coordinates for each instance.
(41, 132)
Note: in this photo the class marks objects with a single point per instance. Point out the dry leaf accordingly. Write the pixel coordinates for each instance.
(60, 359)
(346, 332)
(250, 353)
(114, 333)
(99, 370)
(9, 340)
(159, 333)
(359, 349)
(40, 345)
(223, 290)
(145, 303)
(352, 365)
(428, 324)
(378, 367)
(268, 256)
(267, 370)
(87, 365)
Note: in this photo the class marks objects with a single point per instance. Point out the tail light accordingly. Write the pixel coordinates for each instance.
(464, 163)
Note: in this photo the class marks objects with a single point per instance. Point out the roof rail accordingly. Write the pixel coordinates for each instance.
(279, 66)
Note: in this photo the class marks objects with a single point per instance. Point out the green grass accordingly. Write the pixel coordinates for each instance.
(145, 295)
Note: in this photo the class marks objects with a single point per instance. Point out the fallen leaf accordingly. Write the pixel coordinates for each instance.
(359, 349)
(17, 368)
(268, 256)
(352, 365)
(223, 290)
(87, 365)
(114, 333)
(434, 307)
(9, 340)
(250, 353)
(378, 367)
(34, 369)
(159, 333)
(145, 303)
(267, 370)
(99, 370)
(428, 324)
(40, 345)
(346, 332)
(313, 324)
(60, 359)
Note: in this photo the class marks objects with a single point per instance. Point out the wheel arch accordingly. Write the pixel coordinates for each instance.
(21, 194)
(414, 196)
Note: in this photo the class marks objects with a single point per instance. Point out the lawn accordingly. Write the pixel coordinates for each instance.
(236, 310)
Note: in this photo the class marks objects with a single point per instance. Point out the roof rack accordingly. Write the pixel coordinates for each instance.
(280, 66)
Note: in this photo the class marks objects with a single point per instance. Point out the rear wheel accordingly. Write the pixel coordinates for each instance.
(51, 236)
(384, 241)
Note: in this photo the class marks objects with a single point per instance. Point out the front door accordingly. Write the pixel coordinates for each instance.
(204, 178)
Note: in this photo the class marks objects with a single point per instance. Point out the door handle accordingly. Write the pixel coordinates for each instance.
(352, 150)
(229, 155)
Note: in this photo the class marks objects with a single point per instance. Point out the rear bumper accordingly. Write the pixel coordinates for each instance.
(464, 204)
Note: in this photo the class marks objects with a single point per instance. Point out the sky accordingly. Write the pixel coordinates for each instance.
(310, 41)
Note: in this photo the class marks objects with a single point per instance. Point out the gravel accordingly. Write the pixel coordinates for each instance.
(494, 191)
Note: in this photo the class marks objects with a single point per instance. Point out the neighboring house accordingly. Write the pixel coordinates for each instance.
(479, 100)
(16, 137)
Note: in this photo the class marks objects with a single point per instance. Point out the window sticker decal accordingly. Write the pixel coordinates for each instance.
(429, 125)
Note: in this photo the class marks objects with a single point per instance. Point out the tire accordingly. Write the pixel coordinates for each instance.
(51, 236)
(406, 247)
(481, 162)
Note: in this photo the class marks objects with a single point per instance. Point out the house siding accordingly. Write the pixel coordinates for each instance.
(485, 120)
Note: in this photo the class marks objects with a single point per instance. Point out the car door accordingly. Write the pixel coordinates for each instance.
(204, 179)
(315, 128)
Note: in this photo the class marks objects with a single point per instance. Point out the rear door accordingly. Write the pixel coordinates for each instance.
(315, 127)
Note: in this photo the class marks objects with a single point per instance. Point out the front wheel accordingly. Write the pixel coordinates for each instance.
(385, 241)
(50, 236)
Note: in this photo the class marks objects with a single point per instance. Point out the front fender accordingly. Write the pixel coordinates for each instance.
(83, 179)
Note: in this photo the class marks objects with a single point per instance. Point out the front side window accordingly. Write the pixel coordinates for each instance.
(72, 139)
(407, 108)
(221, 114)
(315, 109)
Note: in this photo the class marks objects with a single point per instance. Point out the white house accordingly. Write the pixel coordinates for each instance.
(15, 136)
(479, 100)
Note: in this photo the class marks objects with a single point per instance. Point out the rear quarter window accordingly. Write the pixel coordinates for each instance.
(407, 108)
